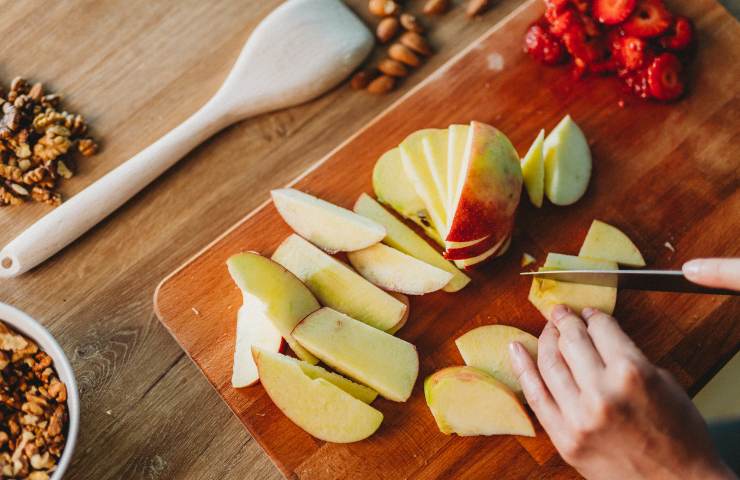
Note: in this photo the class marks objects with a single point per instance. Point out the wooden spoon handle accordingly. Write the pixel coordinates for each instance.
(77, 215)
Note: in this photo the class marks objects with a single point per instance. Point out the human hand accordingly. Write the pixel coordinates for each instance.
(608, 411)
(714, 272)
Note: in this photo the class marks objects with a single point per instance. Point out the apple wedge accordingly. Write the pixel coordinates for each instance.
(393, 270)
(275, 293)
(495, 251)
(567, 163)
(402, 238)
(393, 188)
(377, 359)
(606, 242)
(545, 294)
(360, 392)
(533, 170)
(338, 286)
(253, 328)
(457, 136)
(468, 401)
(330, 227)
(478, 248)
(405, 300)
(314, 404)
(487, 348)
(434, 145)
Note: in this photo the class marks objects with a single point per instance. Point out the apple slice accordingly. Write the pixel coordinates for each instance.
(317, 406)
(402, 298)
(435, 145)
(496, 251)
(545, 294)
(533, 170)
(402, 238)
(360, 392)
(275, 293)
(468, 401)
(567, 163)
(487, 348)
(393, 270)
(338, 286)
(473, 250)
(393, 188)
(379, 360)
(333, 228)
(606, 242)
(457, 138)
(253, 328)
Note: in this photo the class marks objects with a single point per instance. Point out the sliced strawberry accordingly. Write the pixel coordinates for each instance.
(632, 53)
(564, 21)
(680, 36)
(543, 46)
(649, 19)
(582, 6)
(584, 49)
(636, 82)
(557, 4)
(591, 28)
(612, 12)
(664, 77)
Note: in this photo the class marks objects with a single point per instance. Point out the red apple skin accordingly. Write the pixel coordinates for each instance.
(474, 250)
(501, 250)
(492, 187)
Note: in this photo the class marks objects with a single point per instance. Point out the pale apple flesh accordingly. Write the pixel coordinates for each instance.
(469, 402)
(474, 250)
(457, 138)
(314, 404)
(533, 170)
(401, 323)
(338, 286)
(385, 363)
(434, 146)
(496, 251)
(402, 238)
(396, 271)
(253, 328)
(606, 242)
(567, 163)
(277, 293)
(330, 227)
(360, 392)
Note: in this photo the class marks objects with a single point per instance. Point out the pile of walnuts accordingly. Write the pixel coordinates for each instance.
(38, 141)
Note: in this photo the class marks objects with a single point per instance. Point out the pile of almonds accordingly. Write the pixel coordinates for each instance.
(407, 49)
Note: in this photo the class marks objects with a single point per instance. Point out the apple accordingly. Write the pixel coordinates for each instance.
(375, 358)
(274, 292)
(495, 251)
(468, 401)
(315, 404)
(567, 163)
(393, 270)
(405, 300)
(333, 228)
(457, 138)
(606, 242)
(488, 188)
(402, 238)
(475, 249)
(338, 286)
(253, 328)
(533, 170)
(434, 145)
(360, 392)
(393, 188)
(487, 348)
(545, 294)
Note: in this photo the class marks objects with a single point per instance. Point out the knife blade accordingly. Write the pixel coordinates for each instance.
(653, 280)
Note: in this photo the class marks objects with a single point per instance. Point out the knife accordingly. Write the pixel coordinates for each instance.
(655, 280)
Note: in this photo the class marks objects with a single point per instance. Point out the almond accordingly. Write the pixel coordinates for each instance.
(403, 54)
(476, 7)
(416, 43)
(383, 8)
(362, 79)
(394, 68)
(382, 84)
(411, 23)
(436, 7)
(387, 29)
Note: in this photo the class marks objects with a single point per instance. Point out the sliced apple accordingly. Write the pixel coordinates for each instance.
(393, 270)
(253, 328)
(468, 401)
(314, 404)
(606, 242)
(330, 227)
(274, 292)
(435, 151)
(402, 238)
(405, 300)
(457, 138)
(360, 392)
(567, 163)
(473, 250)
(377, 359)
(496, 251)
(393, 188)
(338, 286)
(545, 294)
(487, 348)
(533, 170)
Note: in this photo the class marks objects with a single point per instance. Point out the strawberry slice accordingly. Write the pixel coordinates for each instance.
(564, 21)
(649, 19)
(664, 77)
(631, 53)
(636, 82)
(680, 36)
(612, 12)
(543, 46)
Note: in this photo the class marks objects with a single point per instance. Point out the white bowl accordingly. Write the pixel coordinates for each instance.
(29, 327)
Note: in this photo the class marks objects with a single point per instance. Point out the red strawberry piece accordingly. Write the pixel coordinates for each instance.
(585, 50)
(582, 6)
(612, 12)
(590, 26)
(565, 21)
(543, 46)
(680, 36)
(649, 19)
(557, 4)
(636, 82)
(632, 53)
(664, 77)
(603, 67)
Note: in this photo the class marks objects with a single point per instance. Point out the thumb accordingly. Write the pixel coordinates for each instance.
(714, 272)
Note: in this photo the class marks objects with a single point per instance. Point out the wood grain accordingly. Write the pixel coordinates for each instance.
(662, 173)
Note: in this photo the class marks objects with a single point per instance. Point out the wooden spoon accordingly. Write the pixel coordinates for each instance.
(299, 51)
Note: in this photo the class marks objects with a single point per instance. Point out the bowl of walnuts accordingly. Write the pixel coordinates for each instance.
(39, 401)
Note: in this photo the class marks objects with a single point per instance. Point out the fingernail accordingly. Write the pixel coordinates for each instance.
(516, 349)
(692, 268)
(559, 312)
(588, 312)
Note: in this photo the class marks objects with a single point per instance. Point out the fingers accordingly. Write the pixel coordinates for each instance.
(714, 272)
(554, 370)
(576, 346)
(537, 395)
(608, 337)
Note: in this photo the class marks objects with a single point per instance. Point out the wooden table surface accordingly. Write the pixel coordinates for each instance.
(136, 69)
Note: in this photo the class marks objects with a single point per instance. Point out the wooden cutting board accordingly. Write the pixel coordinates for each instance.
(668, 175)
